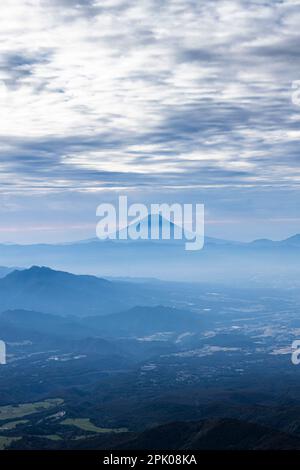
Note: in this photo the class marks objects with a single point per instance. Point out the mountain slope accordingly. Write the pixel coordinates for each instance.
(24, 324)
(45, 290)
(4, 271)
(212, 435)
(222, 434)
(142, 321)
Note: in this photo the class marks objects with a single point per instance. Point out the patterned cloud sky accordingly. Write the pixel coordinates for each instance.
(179, 95)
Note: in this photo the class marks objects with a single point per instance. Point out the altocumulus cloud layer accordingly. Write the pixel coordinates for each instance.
(121, 94)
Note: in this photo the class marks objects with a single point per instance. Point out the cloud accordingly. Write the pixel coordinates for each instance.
(179, 93)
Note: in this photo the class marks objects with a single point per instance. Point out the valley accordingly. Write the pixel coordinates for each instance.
(101, 381)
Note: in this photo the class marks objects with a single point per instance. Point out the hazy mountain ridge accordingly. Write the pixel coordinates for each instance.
(146, 321)
(45, 290)
(138, 321)
(293, 240)
(4, 271)
(263, 261)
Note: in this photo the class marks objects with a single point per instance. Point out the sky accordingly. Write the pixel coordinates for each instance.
(163, 101)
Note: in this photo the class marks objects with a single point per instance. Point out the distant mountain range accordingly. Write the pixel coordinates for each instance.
(52, 307)
(260, 261)
(25, 325)
(142, 321)
(293, 241)
(44, 290)
(133, 323)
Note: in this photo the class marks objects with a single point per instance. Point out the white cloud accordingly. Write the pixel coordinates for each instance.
(87, 81)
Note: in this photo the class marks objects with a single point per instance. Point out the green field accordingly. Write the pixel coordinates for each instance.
(25, 409)
(52, 437)
(12, 425)
(6, 441)
(86, 425)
